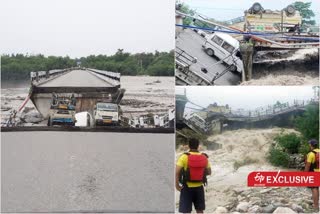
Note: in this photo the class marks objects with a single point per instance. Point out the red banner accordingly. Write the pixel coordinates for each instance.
(283, 179)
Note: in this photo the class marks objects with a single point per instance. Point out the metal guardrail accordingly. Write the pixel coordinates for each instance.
(272, 110)
(184, 58)
(261, 113)
(109, 74)
(184, 73)
(162, 121)
(235, 20)
(38, 76)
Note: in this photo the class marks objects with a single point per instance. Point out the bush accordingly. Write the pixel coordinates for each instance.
(278, 158)
(304, 148)
(290, 142)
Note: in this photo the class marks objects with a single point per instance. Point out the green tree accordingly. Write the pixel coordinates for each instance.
(308, 123)
(186, 9)
(19, 66)
(305, 11)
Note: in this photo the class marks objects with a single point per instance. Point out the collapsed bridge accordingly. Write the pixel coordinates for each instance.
(215, 119)
(85, 84)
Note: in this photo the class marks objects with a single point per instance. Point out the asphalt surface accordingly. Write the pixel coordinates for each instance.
(77, 78)
(87, 172)
(192, 42)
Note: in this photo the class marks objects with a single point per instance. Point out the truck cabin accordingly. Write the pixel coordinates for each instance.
(106, 107)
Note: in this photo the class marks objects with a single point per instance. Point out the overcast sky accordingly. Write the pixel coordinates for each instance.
(228, 9)
(83, 27)
(249, 97)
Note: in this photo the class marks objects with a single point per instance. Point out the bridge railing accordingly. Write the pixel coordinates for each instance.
(235, 20)
(204, 126)
(113, 76)
(39, 76)
(271, 110)
(164, 120)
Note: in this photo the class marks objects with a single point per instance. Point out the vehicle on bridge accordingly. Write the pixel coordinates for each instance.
(62, 111)
(84, 119)
(257, 19)
(107, 114)
(226, 48)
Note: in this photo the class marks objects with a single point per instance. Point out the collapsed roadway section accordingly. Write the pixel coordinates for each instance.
(87, 86)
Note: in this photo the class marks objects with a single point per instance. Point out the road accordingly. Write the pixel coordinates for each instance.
(191, 42)
(87, 171)
(76, 78)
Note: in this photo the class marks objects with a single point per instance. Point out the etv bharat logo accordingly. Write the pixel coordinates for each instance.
(278, 178)
(261, 178)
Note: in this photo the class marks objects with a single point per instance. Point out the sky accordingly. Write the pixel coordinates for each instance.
(248, 98)
(83, 27)
(224, 10)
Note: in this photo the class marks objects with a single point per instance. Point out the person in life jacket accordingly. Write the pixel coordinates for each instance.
(312, 165)
(191, 170)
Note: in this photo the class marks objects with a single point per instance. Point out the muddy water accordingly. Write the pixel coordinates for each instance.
(292, 55)
(286, 68)
(147, 94)
(285, 78)
(236, 146)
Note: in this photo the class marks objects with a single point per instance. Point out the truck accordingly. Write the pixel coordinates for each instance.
(107, 114)
(260, 20)
(257, 19)
(62, 111)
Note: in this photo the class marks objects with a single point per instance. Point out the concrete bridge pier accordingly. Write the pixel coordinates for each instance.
(247, 50)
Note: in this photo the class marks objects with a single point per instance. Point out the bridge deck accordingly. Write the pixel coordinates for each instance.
(77, 78)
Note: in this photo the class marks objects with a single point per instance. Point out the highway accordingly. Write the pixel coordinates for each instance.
(51, 171)
(192, 42)
(76, 78)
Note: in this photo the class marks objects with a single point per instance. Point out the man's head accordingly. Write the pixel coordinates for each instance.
(193, 143)
(313, 143)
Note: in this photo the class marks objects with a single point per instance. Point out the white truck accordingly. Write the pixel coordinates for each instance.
(107, 114)
(226, 48)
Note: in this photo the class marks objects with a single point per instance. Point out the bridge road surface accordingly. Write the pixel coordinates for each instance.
(192, 42)
(76, 78)
(53, 171)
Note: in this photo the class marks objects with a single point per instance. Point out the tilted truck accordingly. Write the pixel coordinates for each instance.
(258, 19)
(62, 111)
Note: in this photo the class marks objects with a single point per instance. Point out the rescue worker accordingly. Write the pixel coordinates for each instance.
(191, 171)
(312, 165)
